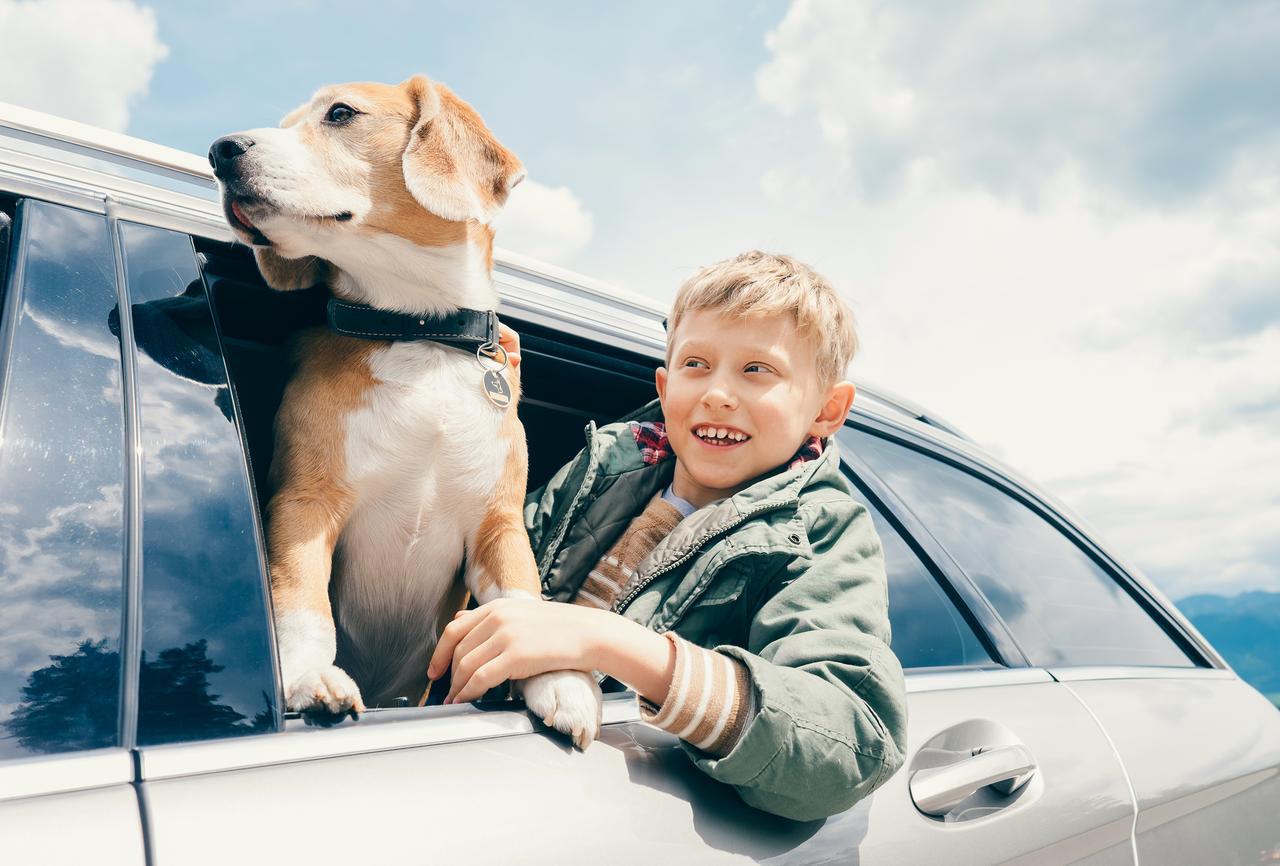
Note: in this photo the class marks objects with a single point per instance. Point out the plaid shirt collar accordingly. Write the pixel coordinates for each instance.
(651, 439)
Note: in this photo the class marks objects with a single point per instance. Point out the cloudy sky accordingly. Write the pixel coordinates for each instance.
(1059, 223)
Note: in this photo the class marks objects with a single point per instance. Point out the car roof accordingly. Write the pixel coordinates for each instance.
(84, 166)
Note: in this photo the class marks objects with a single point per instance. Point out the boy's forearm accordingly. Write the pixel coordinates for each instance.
(632, 654)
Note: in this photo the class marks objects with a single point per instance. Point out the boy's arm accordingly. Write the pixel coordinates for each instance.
(829, 722)
(826, 722)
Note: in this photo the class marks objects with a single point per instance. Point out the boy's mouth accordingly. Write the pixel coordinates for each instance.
(720, 437)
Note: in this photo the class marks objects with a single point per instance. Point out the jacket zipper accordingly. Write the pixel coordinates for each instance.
(588, 478)
(621, 605)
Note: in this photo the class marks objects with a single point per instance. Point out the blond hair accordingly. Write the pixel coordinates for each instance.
(763, 283)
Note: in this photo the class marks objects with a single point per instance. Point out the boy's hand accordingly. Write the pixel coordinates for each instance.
(510, 341)
(514, 639)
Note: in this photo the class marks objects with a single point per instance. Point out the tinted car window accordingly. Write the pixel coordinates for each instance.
(61, 487)
(928, 630)
(207, 670)
(1062, 607)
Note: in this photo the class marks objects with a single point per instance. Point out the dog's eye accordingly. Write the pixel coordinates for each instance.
(339, 113)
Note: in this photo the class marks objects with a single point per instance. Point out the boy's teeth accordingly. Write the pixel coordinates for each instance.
(720, 433)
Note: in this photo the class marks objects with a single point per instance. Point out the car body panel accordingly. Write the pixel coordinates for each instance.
(1203, 757)
(637, 789)
(68, 810)
(1071, 809)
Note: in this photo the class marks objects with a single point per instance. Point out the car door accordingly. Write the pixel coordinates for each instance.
(1003, 763)
(1199, 747)
(65, 773)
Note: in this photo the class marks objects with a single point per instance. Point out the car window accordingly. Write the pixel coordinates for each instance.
(207, 669)
(62, 483)
(1062, 607)
(928, 630)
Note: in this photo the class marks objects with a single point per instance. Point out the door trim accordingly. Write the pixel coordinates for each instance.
(379, 731)
(58, 774)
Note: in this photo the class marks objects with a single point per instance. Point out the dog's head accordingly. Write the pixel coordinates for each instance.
(357, 161)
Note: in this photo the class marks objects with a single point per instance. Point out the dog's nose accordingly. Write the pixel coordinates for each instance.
(226, 150)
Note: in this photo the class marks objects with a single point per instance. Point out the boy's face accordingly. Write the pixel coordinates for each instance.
(752, 377)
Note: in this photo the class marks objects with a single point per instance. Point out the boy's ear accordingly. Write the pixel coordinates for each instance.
(834, 410)
(660, 382)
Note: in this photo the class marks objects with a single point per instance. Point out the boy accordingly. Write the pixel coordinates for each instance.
(714, 556)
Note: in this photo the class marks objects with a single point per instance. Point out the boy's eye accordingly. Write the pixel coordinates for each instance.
(694, 362)
(756, 368)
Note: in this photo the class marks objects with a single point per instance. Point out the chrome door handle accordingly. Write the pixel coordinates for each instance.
(938, 790)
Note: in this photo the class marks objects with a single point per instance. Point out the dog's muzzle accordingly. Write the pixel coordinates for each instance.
(228, 167)
(225, 153)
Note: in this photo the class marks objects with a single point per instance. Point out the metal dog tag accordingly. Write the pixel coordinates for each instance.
(495, 386)
(496, 389)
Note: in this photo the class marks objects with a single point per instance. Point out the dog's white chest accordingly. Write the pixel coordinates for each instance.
(426, 422)
(423, 457)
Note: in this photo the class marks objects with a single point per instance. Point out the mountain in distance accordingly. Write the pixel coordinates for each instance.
(1245, 629)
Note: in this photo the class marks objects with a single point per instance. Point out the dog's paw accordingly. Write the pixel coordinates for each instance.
(568, 701)
(326, 688)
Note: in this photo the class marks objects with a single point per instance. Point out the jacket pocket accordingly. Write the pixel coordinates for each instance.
(708, 617)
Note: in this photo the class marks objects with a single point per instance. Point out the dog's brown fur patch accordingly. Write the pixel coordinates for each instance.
(310, 502)
(501, 548)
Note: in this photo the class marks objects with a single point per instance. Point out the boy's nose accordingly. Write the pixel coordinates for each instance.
(717, 396)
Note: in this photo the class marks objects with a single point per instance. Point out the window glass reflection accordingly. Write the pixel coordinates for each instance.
(928, 630)
(1061, 606)
(61, 489)
(207, 668)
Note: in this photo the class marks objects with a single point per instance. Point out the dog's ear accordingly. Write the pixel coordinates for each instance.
(287, 274)
(453, 165)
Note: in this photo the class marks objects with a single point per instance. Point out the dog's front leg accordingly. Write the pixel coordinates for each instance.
(303, 527)
(500, 564)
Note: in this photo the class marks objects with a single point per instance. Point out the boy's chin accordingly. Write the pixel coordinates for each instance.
(725, 483)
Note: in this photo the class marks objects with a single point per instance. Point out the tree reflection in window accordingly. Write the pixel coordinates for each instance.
(63, 706)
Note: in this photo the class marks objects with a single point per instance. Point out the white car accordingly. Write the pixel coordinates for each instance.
(1060, 708)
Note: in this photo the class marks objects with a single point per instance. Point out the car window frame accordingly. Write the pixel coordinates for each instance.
(988, 633)
(300, 738)
(474, 721)
(935, 448)
(131, 635)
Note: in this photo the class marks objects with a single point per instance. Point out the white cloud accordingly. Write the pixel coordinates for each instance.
(1106, 326)
(88, 60)
(547, 223)
(1155, 97)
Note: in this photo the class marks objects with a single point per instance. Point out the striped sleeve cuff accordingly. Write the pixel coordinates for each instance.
(710, 701)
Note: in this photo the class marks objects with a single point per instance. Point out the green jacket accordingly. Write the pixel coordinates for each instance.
(786, 576)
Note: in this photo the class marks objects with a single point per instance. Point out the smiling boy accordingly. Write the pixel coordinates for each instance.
(715, 558)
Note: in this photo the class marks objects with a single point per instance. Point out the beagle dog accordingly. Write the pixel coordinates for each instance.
(396, 466)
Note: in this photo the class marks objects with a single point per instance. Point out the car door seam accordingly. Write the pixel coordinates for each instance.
(1124, 771)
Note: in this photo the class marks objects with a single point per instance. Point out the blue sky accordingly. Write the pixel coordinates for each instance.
(1056, 222)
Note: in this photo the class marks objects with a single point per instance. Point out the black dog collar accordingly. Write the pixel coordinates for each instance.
(462, 329)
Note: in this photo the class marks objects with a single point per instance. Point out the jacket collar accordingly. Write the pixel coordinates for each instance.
(637, 444)
(651, 439)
